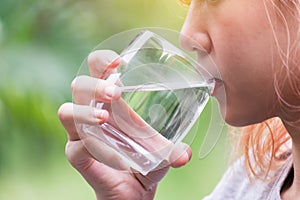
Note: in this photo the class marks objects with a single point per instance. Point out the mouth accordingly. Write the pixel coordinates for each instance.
(217, 83)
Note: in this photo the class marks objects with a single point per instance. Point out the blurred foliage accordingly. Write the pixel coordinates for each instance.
(42, 43)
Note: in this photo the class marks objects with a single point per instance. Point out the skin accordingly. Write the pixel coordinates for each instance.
(107, 175)
(237, 36)
(241, 51)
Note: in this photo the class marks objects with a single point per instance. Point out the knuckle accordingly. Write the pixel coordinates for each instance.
(99, 90)
(73, 84)
(69, 152)
(73, 150)
(78, 82)
(80, 79)
(63, 111)
(93, 57)
(77, 155)
(102, 58)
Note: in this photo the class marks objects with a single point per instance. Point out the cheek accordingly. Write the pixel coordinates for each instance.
(248, 83)
(243, 54)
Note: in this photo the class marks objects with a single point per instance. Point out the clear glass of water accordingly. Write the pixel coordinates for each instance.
(163, 93)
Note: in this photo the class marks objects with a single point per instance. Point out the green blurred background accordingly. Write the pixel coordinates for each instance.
(42, 44)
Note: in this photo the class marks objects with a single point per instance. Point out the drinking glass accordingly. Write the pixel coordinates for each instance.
(163, 93)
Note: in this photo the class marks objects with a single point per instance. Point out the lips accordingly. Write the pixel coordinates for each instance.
(218, 83)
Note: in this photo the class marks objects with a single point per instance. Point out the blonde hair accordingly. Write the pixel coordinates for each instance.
(264, 145)
(184, 2)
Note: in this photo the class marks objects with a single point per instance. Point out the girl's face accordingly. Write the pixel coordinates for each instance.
(237, 36)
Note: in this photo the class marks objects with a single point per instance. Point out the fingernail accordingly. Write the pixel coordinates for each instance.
(112, 91)
(183, 146)
(116, 62)
(187, 150)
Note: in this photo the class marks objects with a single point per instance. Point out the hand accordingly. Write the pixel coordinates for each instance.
(106, 173)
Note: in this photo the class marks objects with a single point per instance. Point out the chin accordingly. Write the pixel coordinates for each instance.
(236, 123)
(240, 120)
(238, 117)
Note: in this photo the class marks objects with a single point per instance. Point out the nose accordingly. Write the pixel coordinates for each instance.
(193, 35)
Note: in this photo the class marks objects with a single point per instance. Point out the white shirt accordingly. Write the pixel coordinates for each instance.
(235, 184)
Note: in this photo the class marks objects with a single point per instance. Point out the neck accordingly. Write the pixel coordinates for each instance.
(293, 191)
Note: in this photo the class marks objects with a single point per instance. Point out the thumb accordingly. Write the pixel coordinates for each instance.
(181, 155)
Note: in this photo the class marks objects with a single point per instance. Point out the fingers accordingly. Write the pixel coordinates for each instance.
(102, 62)
(82, 158)
(181, 155)
(85, 89)
(78, 156)
(66, 116)
(71, 115)
(104, 153)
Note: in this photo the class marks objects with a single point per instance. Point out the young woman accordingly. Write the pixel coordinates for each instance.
(255, 45)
